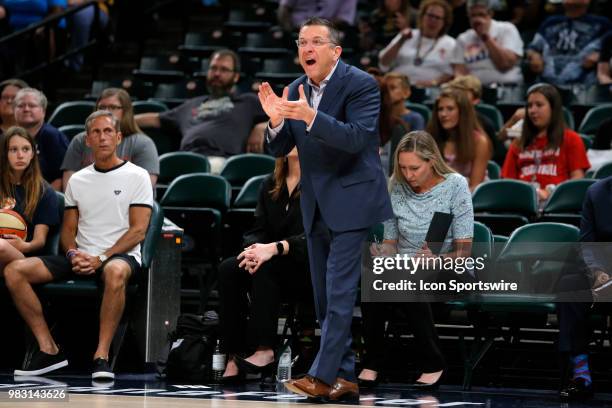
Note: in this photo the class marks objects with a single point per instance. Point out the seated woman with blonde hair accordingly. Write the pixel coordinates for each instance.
(422, 184)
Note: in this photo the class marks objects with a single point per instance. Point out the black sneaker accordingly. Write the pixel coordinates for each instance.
(101, 370)
(43, 363)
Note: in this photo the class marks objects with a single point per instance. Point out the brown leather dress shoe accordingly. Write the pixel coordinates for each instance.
(344, 390)
(309, 386)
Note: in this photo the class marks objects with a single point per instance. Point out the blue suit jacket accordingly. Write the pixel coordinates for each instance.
(341, 170)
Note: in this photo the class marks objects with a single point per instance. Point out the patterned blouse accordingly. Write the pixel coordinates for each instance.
(414, 212)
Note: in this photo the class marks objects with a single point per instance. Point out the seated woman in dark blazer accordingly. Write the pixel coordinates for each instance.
(274, 260)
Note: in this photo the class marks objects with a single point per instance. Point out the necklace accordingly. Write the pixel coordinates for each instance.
(418, 60)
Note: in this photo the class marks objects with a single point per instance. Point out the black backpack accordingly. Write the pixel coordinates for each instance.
(188, 356)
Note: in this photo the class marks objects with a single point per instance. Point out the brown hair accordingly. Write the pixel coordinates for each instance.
(127, 124)
(31, 180)
(556, 127)
(423, 145)
(281, 168)
(334, 33)
(388, 121)
(464, 132)
(448, 13)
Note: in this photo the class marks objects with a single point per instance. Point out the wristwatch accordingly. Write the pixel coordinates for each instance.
(102, 258)
(279, 248)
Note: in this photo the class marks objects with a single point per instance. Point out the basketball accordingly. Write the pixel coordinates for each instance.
(12, 223)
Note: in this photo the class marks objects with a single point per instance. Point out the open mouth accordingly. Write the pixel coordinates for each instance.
(310, 61)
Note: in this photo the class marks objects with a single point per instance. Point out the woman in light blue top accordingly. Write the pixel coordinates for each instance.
(422, 183)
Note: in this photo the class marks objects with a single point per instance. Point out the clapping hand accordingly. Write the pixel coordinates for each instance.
(270, 102)
(298, 110)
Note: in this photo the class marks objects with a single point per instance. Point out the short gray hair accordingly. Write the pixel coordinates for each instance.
(474, 3)
(102, 113)
(42, 99)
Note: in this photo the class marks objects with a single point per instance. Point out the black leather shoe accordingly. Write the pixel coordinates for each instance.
(576, 390)
(421, 386)
(247, 367)
(367, 383)
(233, 379)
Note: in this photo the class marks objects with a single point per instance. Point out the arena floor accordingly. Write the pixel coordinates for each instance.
(147, 391)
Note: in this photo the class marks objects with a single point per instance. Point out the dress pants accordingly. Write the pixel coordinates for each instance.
(279, 279)
(574, 329)
(335, 268)
(421, 322)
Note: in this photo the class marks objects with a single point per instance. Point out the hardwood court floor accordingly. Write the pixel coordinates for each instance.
(144, 390)
(120, 401)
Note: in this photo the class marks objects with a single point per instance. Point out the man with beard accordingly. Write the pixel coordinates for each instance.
(217, 125)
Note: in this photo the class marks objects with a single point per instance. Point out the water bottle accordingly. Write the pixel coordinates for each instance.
(284, 365)
(218, 363)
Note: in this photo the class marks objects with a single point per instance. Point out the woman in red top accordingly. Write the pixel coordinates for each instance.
(547, 153)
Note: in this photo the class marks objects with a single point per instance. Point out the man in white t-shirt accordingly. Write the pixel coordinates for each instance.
(107, 212)
(491, 50)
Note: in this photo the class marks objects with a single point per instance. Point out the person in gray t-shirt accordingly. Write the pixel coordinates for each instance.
(135, 146)
(218, 125)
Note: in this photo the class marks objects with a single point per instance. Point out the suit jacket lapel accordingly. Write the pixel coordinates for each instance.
(334, 86)
(306, 90)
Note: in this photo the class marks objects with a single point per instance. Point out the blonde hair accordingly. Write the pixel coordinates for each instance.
(468, 83)
(425, 147)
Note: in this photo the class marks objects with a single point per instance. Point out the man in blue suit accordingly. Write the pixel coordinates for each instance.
(331, 115)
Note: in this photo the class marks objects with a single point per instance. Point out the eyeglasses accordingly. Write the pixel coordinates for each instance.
(223, 70)
(317, 42)
(434, 16)
(22, 106)
(109, 107)
(7, 98)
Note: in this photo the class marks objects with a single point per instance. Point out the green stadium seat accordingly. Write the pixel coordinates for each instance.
(565, 203)
(493, 170)
(604, 171)
(491, 112)
(238, 169)
(148, 106)
(504, 205)
(594, 117)
(72, 130)
(197, 203)
(420, 108)
(71, 113)
(525, 256)
(174, 164)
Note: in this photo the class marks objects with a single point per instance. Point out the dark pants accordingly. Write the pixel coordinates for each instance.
(574, 329)
(279, 279)
(420, 319)
(335, 267)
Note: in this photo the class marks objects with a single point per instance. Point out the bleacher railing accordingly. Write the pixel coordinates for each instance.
(46, 26)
